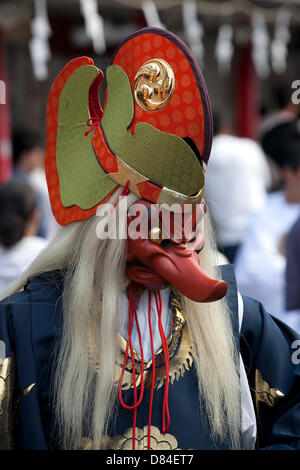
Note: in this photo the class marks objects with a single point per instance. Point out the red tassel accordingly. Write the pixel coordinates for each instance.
(131, 316)
(166, 414)
(153, 372)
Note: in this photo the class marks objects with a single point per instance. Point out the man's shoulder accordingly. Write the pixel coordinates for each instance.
(47, 278)
(43, 288)
(32, 312)
(249, 309)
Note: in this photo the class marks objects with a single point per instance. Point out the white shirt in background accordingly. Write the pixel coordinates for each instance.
(37, 179)
(237, 177)
(15, 260)
(259, 265)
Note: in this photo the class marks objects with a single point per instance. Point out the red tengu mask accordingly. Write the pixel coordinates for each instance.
(163, 249)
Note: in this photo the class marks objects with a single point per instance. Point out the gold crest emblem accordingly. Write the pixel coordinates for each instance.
(154, 85)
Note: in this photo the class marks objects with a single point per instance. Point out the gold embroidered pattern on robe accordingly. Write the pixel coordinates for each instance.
(7, 378)
(158, 441)
(28, 389)
(264, 393)
(180, 355)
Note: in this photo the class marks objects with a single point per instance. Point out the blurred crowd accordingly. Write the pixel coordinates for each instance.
(26, 221)
(253, 193)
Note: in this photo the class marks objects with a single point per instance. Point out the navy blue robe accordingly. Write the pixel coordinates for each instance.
(31, 325)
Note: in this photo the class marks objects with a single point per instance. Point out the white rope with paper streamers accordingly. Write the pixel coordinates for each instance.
(224, 48)
(151, 14)
(94, 25)
(260, 45)
(193, 29)
(227, 8)
(38, 45)
(280, 42)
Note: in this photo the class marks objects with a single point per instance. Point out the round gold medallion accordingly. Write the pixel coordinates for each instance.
(154, 85)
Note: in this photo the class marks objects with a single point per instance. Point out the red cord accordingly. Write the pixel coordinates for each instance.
(131, 316)
(166, 413)
(93, 123)
(153, 372)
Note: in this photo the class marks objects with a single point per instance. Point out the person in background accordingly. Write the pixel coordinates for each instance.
(292, 276)
(287, 113)
(29, 167)
(28, 154)
(19, 222)
(237, 179)
(277, 128)
(260, 263)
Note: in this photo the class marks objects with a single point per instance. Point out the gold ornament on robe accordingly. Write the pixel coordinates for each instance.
(7, 379)
(264, 394)
(159, 441)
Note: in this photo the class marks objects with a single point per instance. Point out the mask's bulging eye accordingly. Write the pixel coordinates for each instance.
(155, 235)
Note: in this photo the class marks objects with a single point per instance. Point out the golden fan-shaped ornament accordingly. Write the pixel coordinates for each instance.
(154, 85)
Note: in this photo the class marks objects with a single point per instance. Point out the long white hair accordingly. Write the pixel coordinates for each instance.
(93, 285)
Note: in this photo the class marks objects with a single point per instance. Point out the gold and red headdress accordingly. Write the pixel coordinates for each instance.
(153, 133)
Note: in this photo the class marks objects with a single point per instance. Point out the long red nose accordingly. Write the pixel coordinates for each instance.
(181, 268)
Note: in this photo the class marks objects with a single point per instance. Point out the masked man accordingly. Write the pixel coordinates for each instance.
(124, 334)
